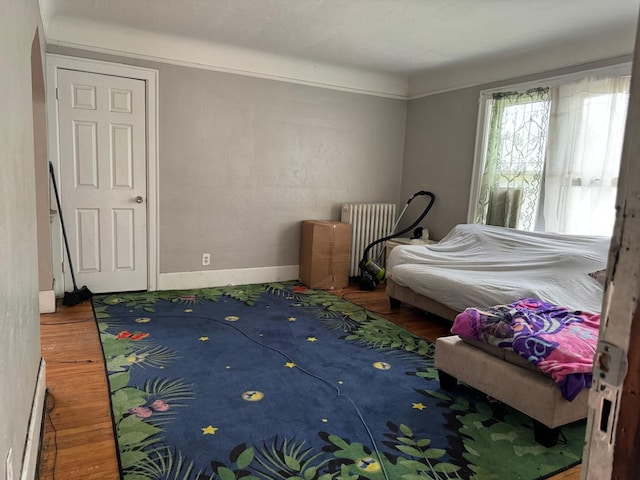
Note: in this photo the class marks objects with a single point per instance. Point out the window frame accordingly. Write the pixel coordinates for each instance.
(484, 112)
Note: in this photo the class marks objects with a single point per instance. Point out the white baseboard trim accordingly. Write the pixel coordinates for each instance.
(47, 301)
(220, 278)
(32, 446)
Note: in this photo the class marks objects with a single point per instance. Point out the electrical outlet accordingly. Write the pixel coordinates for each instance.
(206, 259)
(9, 469)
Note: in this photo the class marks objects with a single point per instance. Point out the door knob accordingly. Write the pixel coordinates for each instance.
(139, 199)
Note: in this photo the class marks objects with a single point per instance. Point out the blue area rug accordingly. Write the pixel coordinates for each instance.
(280, 382)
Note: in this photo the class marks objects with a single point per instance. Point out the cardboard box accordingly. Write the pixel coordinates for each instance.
(325, 246)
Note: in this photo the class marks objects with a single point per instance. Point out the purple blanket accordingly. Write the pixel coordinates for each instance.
(560, 342)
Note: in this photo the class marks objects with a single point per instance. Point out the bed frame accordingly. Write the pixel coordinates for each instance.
(522, 388)
(399, 294)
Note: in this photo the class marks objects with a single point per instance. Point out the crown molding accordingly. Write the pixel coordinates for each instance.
(115, 40)
(578, 54)
(195, 53)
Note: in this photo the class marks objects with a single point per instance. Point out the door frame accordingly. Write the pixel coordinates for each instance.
(613, 422)
(150, 77)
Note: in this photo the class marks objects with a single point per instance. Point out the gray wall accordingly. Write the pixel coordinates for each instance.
(439, 148)
(41, 165)
(19, 318)
(439, 145)
(244, 160)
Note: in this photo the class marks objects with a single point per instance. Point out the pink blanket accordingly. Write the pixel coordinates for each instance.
(560, 342)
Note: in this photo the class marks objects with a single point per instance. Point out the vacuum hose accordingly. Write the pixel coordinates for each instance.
(373, 274)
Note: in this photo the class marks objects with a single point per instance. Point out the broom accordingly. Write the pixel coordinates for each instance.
(78, 295)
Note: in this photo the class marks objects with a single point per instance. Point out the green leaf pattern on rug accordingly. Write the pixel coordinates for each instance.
(426, 459)
(132, 405)
(485, 438)
(160, 463)
(486, 441)
(145, 301)
(247, 294)
(144, 456)
(419, 460)
(380, 333)
(289, 460)
(324, 305)
(124, 400)
(366, 327)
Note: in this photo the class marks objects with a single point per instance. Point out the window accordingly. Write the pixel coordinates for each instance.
(550, 156)
(514, 160)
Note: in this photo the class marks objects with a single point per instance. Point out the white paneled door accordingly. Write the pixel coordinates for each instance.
(102, 142)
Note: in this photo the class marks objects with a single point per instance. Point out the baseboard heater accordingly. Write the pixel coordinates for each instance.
(34, 433)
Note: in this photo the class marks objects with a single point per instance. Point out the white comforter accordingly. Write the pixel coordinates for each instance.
(481, 266)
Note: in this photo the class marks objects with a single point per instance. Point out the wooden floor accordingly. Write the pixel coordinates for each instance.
(78, 441)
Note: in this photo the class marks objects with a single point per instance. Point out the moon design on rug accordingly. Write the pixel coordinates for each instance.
(368, 464)
(382, 365)
(252, 396)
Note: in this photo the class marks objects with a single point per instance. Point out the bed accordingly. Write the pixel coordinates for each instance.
(483, 266)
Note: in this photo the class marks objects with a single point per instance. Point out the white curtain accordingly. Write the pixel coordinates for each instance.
(586, 131)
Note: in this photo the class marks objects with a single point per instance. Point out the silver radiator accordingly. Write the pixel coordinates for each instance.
(369, 222)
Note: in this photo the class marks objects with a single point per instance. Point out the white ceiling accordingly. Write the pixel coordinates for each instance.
(395, 42)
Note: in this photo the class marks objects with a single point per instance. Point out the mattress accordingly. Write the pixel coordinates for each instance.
(486, 265)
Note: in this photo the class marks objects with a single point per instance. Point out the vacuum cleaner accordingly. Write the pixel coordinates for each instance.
(373, 274)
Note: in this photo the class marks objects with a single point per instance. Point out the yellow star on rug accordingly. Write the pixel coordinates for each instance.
(419, 406)
(290, 364)
(203, 339)
(292, 319)
(188, 310)
(210, 430)
(312, 339)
